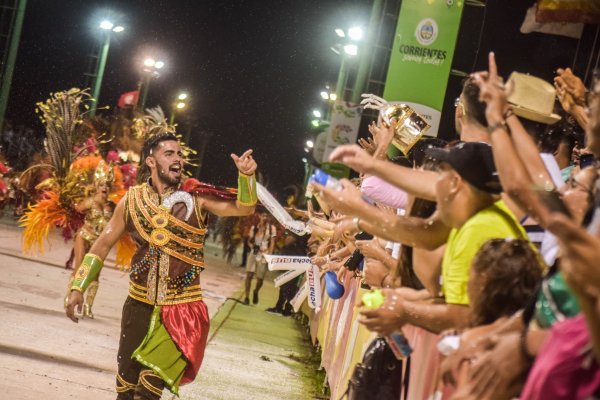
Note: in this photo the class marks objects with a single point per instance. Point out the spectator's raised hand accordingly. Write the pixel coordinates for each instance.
(566, 99)
(347, 201)
(368, 145)
(371, 248)
(492, 91)
(570, 84)
(354, 157)
(344, 229)
(383, 135)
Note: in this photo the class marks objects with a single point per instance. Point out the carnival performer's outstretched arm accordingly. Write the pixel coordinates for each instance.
(94, 260)
(246, 193)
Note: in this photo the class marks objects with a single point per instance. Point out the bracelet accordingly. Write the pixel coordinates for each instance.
(523, 347)
(356, 222)
(88, 270)
(501, 124)
(246, 192)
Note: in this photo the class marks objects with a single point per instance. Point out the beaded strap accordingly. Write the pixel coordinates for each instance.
(151, 258)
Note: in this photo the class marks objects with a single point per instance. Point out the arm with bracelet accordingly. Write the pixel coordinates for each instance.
(246, 192)
(93, 261)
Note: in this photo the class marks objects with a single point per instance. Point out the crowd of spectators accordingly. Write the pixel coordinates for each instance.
(484, 248)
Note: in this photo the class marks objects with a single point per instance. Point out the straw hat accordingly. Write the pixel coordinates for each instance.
(532, 98)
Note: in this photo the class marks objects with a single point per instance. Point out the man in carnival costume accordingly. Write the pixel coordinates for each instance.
(165, 323)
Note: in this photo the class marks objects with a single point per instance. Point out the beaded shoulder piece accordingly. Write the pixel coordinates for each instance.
(155, 224)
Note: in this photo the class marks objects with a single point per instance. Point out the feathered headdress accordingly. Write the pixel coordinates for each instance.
(62, 114)
(104, 174)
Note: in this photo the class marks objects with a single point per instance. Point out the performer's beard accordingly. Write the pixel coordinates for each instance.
(169, 177)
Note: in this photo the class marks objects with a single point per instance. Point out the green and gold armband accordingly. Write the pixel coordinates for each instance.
(246, 192)
(88, 270)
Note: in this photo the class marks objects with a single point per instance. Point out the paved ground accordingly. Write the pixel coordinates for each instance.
(251, 354)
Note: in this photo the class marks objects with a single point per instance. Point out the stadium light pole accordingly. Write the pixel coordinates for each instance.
(107, 28)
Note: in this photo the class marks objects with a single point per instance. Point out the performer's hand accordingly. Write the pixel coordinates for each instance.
(245, 163)
(75, 299)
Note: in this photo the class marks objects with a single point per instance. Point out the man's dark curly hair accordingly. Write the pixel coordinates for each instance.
(474, 109)
(510, 272)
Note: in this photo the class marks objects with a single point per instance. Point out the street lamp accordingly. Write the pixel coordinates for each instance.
(316, 113)
(107, 27)
(178, 105)
(355, 33)
(351, 49)
(310, 144)
(345, 49)
(151, 69)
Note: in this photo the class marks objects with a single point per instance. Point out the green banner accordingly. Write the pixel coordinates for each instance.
(422, 56)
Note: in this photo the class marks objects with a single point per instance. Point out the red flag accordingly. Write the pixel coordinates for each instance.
(129, 99)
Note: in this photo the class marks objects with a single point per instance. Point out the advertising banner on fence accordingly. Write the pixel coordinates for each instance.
(345, 120)
(422, 56)
(281, 262)
(313, 279)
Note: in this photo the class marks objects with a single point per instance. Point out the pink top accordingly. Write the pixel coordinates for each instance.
(565, 367)
(382, 192)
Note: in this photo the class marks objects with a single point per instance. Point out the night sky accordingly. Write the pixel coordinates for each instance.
(253, 69)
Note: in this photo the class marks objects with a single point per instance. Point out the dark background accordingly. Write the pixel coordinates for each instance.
(253, 69)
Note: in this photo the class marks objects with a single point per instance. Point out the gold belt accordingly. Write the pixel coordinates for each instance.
(187, 295)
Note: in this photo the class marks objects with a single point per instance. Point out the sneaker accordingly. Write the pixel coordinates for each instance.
(255, 297)
(273, 310)
(286, 313)
(246, 301)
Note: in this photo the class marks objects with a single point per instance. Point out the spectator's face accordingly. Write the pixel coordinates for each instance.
(445, 190)
(577, 194)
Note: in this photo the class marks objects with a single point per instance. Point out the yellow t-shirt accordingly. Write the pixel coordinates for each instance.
(494, 222)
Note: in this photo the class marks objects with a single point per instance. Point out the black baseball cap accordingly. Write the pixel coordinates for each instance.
(474, 162)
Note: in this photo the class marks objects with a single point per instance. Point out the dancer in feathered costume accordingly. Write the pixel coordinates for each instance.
(165, 322)
(97, 210)
(62, 116)
(67, 190)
